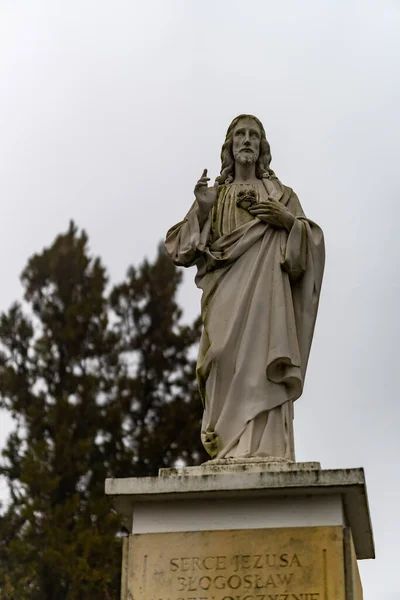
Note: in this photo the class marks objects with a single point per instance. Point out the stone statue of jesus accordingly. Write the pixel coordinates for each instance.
(259, 264)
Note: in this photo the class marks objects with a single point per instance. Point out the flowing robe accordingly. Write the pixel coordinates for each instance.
(260, 297)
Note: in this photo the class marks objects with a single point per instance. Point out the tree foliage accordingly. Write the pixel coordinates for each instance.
(98, 386)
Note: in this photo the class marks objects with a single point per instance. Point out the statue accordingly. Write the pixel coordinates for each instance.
(259, 264)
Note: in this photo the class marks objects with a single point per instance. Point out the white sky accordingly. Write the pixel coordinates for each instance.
(109, 111)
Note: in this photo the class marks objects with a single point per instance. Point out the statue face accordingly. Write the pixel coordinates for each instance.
(246, 139)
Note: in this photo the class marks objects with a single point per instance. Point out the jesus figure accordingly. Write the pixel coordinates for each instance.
(259, 265)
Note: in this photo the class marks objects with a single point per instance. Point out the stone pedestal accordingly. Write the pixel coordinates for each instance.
(251, 531)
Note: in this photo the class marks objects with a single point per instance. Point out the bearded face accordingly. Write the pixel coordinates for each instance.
(246, 141)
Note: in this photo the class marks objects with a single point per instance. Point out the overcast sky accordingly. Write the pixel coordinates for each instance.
(110, 110)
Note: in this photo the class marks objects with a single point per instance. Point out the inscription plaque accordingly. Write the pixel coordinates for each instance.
(301, 563)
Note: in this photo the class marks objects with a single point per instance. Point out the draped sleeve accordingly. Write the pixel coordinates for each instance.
(186, 241)
(304, 241)
(304, 260)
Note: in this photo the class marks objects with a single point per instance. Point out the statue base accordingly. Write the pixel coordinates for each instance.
(226, 466)
(253, 530)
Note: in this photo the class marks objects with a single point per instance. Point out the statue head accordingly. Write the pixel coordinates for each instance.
(236, 147)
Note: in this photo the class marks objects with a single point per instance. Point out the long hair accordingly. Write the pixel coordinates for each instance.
(228, 162)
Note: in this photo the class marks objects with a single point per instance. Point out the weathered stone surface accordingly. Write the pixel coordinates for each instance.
(273, 564)
(353, 582)
(232, 466)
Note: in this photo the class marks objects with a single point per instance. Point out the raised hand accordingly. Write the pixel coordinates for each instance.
(205, 196)
(274, 213)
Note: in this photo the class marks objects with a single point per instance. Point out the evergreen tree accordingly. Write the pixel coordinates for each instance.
(162, 403)
(90, 400)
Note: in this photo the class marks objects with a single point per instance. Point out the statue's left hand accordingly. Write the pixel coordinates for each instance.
(274, 213)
